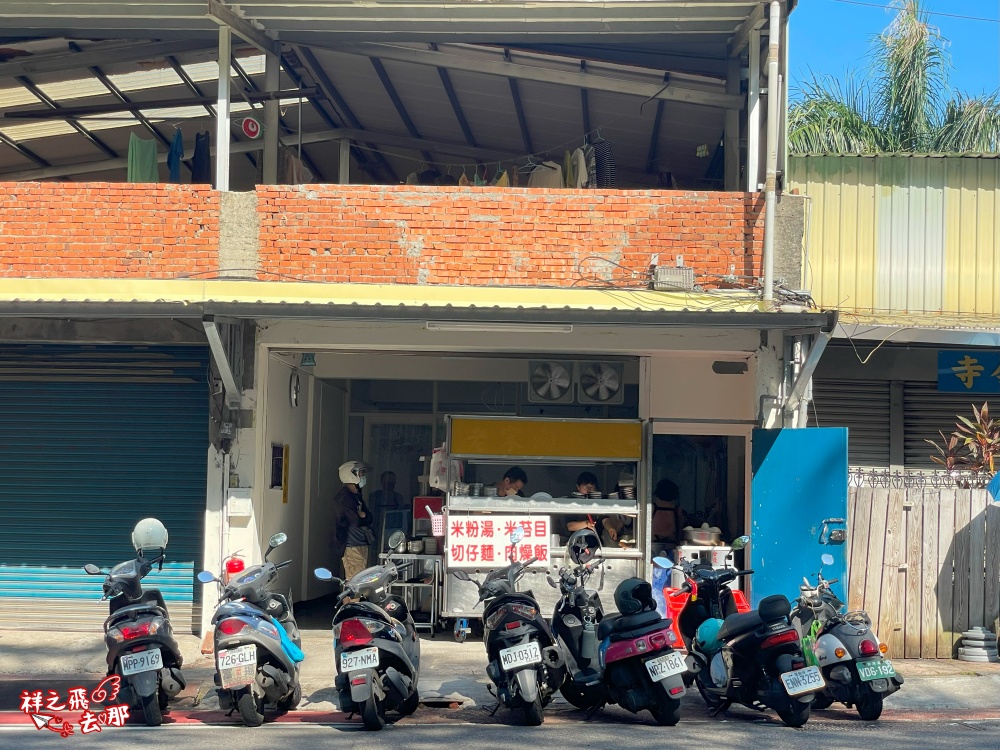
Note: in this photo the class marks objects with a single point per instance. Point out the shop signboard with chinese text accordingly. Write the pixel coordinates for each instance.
(970, 371)
(484, 540)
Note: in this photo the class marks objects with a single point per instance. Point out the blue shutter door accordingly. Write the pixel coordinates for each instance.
(93, 439)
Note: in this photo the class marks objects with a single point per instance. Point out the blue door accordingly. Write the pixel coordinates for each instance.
(798, 509)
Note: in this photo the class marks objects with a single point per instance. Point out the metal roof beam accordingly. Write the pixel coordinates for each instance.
(390, 89)
(56, 109)
(654, 140)
(445, 61)
(243, 27)
(24, 151)
(741, 38)
(101, 54)
(522, 121)
(456, 106)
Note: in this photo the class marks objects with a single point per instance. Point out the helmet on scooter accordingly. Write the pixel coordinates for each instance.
(634, 595)
(583, 546)
(706, 638)
(149, 533)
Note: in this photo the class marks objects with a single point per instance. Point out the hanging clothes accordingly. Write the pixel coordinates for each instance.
(142, 166)
(548, 174)
(502, 180)
(174, 156)
(569, 177)
(412, 178)
(591, 158)
(580, 176)
(605, 159)
(201, 163)
(463, 181)
(292, 171)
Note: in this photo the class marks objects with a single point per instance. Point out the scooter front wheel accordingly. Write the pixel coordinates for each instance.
(533, 714)
(373, 714)
(251, 708)
(151, 713)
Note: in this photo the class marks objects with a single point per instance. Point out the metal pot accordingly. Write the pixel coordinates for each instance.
(415, 547)
(702, 536)
(400, 548)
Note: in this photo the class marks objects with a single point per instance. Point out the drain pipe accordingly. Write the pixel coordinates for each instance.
(771, 175)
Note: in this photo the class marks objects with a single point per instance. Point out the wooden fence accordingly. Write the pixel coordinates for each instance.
(925, 565)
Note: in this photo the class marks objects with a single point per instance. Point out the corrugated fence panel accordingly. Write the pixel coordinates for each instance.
(92, 439)
(862, 406)
(925, 227)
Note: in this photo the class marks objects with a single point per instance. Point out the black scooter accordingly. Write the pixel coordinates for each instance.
(753, 658)
(627, 658)
(526, 665)
(140, 642)
(375, 645)
(844, 646)
(257, 642)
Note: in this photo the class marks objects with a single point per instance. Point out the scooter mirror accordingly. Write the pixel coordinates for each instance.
(827, 559)
(92, 569)
(517, 535)
(323, 574)
(663, 562)
(740, 542)
(278, 539)
(205, 577)
(461, 575)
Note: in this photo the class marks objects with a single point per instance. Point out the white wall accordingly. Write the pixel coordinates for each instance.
(687, 388)
(284, 424)
(329, 436)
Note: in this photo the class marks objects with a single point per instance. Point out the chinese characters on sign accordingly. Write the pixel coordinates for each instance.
(483, 541)
(972, 371)
(43, 707)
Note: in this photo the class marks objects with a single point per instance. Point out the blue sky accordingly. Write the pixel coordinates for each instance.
(828, 36)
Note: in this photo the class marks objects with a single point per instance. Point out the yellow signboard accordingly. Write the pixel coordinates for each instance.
(546, 438)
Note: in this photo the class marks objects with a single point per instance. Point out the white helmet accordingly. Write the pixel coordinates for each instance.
(149, 533)
(353, 472)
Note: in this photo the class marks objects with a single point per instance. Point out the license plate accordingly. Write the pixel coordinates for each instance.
(802, 680)
(664, 666)
(142, 661)
(875, 670)
(365, 658)
(520, 656)
(237, 666)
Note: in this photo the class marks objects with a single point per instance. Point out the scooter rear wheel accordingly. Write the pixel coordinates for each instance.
(292, 701)
(795, 715)
(251, 709)
(533, 714)
(163, 699)
(869, 703)
(667, 710)
(373, 714)
(409, 705)
(822, 701)
(151, 713)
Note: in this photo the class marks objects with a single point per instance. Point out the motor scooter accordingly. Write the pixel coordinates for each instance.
(376, 646)
(846, 649)
(753, 658)
(525, 664)
(138, 635)
(626, 659)
(257, 642)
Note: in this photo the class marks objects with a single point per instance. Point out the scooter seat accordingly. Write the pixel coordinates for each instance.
(735, 625)
(623, 627)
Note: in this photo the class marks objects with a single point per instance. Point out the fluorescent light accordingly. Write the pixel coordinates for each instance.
(472, 326)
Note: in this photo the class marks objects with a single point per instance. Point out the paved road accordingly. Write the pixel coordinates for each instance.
(742, 730)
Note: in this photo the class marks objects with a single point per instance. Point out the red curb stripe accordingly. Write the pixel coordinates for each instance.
(9, 718)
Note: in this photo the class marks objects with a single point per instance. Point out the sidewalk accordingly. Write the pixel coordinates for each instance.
(453, 676)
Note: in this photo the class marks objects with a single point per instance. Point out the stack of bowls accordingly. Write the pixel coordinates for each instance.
(476, 489)
(595, 495)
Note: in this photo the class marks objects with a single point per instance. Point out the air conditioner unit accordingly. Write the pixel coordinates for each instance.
(550, 381)
(600, 383)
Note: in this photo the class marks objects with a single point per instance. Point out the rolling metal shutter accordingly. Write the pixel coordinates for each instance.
(925, 411)
(92, 439)
(862, 406)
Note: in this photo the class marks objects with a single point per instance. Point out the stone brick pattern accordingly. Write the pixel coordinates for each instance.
(107, 230)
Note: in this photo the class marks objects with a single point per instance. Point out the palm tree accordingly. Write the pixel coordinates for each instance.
(903, 103)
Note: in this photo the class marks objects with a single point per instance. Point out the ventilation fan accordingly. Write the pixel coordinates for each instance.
(601, 383)
(550, 382)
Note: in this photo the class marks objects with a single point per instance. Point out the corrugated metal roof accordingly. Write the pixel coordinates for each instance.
(900, 155)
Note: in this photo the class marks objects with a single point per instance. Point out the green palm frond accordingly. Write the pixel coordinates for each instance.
(970, 125)
(832, 118)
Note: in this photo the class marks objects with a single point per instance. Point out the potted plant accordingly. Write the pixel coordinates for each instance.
(971, 452)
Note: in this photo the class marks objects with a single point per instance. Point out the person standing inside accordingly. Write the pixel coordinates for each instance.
(512, 483)
(387, 498)
(353, 520)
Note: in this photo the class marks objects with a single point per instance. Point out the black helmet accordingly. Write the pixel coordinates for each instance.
(634, 595)
(583, 546)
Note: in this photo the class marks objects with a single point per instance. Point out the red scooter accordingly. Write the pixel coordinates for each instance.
(704, 595)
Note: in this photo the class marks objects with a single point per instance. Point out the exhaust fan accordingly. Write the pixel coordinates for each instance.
(550, 382)
(601, 383)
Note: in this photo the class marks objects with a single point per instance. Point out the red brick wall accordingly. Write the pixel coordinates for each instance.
(479, 236)
(382, 234)
(107, 230)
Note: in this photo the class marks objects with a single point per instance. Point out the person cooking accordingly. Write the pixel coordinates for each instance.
(585, 483)
(512, 483)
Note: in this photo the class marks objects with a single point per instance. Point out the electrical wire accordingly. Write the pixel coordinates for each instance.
(928, 12)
